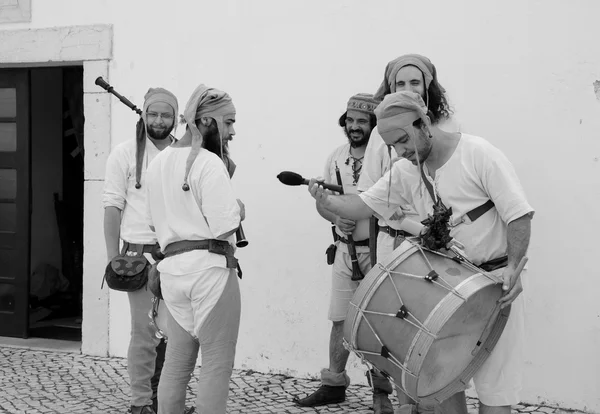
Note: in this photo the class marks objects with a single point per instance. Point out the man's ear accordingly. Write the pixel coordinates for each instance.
(426, 128)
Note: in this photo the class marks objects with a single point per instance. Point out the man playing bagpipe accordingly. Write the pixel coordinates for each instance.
(349, 257)
(193, 208)
(124, 202)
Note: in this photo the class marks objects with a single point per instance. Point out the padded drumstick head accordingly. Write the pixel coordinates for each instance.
(290, 178)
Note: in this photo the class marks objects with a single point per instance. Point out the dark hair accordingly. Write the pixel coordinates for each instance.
(342, 120)
(437, 103)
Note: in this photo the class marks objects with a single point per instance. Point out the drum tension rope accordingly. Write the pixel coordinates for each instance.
(402, 312)
(431, 276)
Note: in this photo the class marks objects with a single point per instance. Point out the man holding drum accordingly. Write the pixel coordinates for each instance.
(414, 73)
(490, 217)
(417, 74)
(191, 204)
(124, 202)
(346, 162)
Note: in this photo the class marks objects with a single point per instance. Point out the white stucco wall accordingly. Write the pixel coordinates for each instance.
(519, 73)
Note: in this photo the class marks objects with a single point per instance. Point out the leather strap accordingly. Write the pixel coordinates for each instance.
(494, 264)
(473, 214)
(373, 231)
(364, 242)
(393, 232)
(221, 247)
(481, 210)
(183, 246)
(145, 248)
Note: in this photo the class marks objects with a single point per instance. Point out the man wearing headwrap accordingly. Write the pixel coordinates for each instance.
(358, 121)
(417, 74)
(192, 206)
(124, 219)
(491, 217)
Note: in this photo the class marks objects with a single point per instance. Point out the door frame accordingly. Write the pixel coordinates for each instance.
(56, 47)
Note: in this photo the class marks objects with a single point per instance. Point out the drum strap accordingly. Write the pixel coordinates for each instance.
(494, 264)
(473, 214)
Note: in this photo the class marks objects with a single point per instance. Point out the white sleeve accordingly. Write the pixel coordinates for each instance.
(375, 163)
(115, 179)
(501, 183)
(148, 215)
(327, 178)
(376, 197)
(219, 204)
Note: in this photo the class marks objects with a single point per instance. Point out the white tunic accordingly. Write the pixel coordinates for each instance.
(475, 173)
(341, 155)
(193, 281)
(120, 191)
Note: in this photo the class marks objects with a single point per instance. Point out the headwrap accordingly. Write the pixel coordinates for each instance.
(391, 70)
(362, 102)
(204, 102)
(153, 95)
(399, 110)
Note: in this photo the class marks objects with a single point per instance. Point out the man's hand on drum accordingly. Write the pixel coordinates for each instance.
(511, 285)
(347, 226)
(319, 193)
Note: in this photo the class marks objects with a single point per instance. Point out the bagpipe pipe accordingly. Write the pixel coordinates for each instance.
(240, 236)
(295, 179)
(356, 272)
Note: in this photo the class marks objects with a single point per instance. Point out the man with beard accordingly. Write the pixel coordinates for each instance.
(125, 219)
(417, 74)
(192, 206)
(490, 217)
(358, 121)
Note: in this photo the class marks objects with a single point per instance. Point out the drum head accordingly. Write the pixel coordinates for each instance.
(449, 332)
(451, 353)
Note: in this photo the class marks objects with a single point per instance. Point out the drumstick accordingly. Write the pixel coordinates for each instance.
(496, 312)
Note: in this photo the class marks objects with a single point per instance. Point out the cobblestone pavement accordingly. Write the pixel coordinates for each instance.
(33, 382)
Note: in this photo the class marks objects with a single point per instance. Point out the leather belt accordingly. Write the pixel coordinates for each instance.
(393, 232)
(364, 242)
(221, 247)
(147, 248)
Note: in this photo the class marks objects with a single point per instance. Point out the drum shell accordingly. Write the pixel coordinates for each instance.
(443, 354)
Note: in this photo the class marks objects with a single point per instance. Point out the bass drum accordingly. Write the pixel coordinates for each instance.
(426, 320)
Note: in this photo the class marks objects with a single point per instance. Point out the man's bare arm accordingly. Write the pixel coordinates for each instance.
(348, 206)
(326, 214)
(112, 230)
(518, 235)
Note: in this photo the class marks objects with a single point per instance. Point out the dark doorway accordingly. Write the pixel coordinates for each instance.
(55, 189)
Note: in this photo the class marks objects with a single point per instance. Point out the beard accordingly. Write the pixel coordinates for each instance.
(159, 135)
(212, 141)
(354, 142)
(422, 153)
